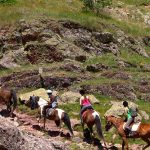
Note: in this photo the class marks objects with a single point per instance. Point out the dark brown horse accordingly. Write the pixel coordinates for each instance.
(58, 115)
(9, 98)
(90, 118)
(143, 131)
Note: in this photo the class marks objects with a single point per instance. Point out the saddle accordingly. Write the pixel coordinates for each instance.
(134, 126)
(83, 114)
(49, 112)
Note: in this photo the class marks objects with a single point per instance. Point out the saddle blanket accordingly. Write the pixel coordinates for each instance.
(49, 111)
(134, 126)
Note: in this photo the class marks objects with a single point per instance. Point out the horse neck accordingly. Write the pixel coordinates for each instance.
(117, 122)
(42, 102)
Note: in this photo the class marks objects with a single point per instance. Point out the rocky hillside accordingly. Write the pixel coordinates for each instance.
(71, 55)
(65, 49)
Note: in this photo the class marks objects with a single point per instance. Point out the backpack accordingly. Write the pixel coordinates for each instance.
(133, 112)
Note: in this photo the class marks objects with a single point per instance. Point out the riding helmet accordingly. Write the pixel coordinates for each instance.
(49, 91)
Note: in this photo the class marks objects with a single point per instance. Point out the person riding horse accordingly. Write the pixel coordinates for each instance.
(130, 114)
(85, 103)
(52, 102)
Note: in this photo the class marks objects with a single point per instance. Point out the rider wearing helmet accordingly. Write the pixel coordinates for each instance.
(85, 103)
(52, 102)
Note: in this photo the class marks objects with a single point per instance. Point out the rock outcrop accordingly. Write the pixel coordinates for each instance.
(14, 139)
(117, 109)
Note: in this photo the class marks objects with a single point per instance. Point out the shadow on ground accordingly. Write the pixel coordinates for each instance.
(95, 141)
(6, 113)
(50, 132)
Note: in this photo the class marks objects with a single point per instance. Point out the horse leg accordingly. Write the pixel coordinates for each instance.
(60, 129)
(91, 131)
(147, 141)
(113, 139)
(38, 119)
(8, 107)
(125, 143)
(83, 128)
(44, 122)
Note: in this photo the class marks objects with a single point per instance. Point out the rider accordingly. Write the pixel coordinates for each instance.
(130, 117)
(52, 102)
(84, 103)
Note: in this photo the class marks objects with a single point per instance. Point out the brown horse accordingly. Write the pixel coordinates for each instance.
(143, 131)
(9, 98)
(90, 118)
(58, 115)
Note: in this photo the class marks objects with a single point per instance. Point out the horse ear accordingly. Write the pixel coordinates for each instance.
(105, 116)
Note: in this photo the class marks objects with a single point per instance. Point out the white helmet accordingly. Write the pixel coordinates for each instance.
(49, 91)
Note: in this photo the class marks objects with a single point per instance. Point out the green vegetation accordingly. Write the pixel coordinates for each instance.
(61, 9)
(27, 110)
(144, 106)
(97, 5)
(101, 80)
(6, 2)
(11, 11)
(133, 57)
(107, 59)
(137, 2)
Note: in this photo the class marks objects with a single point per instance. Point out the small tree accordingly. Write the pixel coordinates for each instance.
(96, 5)
(88, 4)
(7, 1)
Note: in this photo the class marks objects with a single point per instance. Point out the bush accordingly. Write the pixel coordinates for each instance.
(7, 1)
(96, 5)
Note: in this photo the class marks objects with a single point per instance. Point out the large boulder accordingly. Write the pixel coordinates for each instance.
(117, 109)
(14, 139)
(8, 61)
(105, 37)
(73, 97)
(39, 92)
(96, 67)
(70, 97)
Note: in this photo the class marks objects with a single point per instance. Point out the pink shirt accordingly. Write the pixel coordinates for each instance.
(84, 101)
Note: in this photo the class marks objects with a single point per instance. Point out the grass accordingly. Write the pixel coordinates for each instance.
(27, 110)
(61, 9)
(108, 59)
(133, 57)
(144, 106)
(137, 2)
(101, 80)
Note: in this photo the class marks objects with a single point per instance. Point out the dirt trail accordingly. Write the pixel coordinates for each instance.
(30, 125)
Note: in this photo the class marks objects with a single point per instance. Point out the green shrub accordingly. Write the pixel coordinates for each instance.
(7, 1)
(97, 5)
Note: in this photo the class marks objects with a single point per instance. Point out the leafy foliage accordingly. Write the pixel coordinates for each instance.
(96, 5)
(7, 1)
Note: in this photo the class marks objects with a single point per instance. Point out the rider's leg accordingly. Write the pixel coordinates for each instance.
(127, 127)
(82, 110)
(44, 109)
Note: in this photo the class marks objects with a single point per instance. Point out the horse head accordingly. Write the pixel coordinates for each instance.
(108, 122)
(33, 102)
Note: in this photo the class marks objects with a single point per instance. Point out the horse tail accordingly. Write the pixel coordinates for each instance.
(14, 96)
(99, 127)
(67, 122)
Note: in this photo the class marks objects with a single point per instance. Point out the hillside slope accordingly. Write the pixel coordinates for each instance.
(107, 54)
